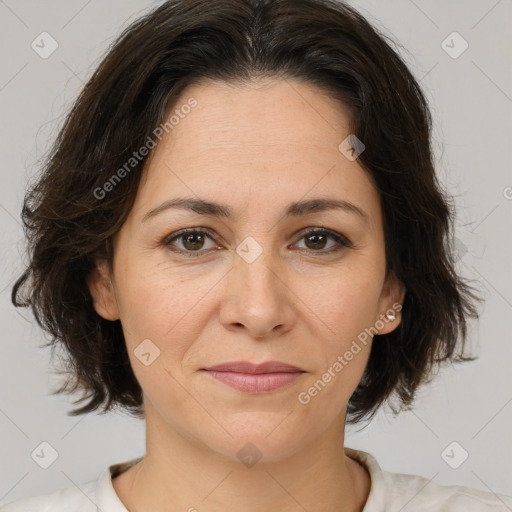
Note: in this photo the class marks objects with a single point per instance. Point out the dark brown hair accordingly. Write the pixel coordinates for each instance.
(321, 42)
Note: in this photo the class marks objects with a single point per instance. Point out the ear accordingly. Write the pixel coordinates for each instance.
(102, 291)
(391, 300)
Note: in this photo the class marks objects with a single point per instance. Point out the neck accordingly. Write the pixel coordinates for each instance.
(178, 473)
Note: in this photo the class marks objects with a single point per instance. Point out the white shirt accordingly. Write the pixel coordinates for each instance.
(390, 492)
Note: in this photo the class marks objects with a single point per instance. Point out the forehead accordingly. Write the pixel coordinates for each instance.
(268, 139)
(267, 113)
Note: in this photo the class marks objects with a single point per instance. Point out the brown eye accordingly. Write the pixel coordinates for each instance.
(316, 241)
(192, 242)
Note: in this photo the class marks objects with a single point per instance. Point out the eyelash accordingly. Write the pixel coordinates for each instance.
(342, 241)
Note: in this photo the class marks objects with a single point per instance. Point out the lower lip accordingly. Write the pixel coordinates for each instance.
(256, 382)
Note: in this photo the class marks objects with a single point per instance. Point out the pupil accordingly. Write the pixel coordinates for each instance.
(322, 240)
(189, 239)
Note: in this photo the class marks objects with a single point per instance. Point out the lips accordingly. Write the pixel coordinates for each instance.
(255, 379)
(247, 367)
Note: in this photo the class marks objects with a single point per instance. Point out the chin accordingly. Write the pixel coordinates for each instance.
(260, 437)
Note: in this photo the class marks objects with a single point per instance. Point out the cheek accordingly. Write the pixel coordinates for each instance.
(326, 393)
(164, 308)
(347, 303)
(348, 306)
(159, 324)
(150, 296)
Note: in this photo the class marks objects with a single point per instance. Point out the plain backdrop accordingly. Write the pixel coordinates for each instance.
(471, 101)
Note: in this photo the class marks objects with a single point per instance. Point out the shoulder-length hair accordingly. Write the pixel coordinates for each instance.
(325, 43)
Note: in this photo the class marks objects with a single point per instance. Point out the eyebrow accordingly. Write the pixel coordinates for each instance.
(296, 209)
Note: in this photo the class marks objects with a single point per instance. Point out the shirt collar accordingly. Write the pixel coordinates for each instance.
(106, 498)
(378, 496)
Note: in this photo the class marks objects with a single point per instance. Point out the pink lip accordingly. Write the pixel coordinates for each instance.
(247, 367)
(251, 378)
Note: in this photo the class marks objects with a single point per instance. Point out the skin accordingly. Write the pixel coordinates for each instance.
(256, 148)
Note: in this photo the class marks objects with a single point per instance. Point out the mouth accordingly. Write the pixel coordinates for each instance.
(251, 378)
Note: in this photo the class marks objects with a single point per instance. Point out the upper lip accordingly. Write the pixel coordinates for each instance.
(247, 367)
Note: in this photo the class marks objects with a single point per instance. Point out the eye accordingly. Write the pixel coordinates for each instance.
(316, 239)
(192, 242)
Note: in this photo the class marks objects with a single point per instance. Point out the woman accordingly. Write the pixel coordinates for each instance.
(240, 238)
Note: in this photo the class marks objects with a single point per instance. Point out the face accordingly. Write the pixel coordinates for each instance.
(252, 282)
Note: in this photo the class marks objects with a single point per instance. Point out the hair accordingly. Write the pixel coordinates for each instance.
(325, 43)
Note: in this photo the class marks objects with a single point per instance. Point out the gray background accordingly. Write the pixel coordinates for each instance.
(471, 100)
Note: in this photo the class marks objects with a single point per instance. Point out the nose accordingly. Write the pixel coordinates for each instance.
(258, 299)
